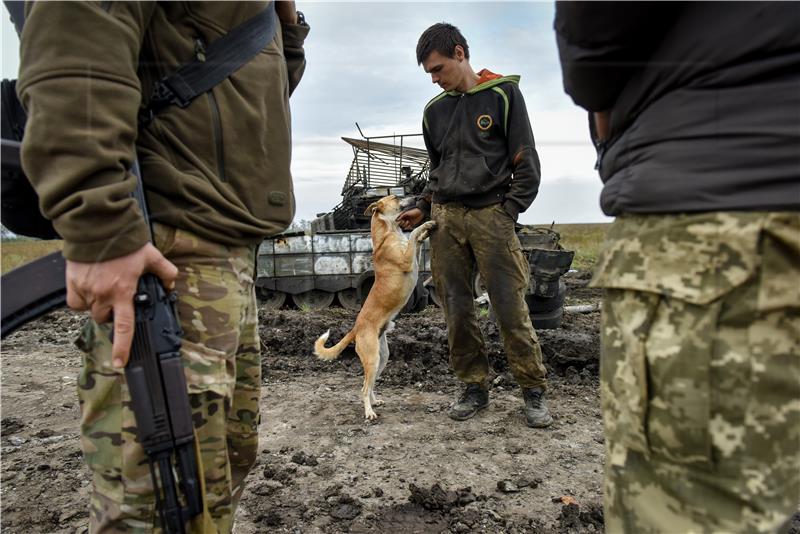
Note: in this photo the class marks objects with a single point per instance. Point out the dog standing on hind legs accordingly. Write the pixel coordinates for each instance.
(396, 265)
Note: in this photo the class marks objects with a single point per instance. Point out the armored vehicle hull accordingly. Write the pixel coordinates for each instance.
(316, 271)
(333, 262)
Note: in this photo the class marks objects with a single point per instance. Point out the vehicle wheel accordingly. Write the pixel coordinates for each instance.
(270, 299)
(417, 302)
(313, 300)
(365, 282)
(434, 296)
(348, 298)
(547, 320)
(537, 304)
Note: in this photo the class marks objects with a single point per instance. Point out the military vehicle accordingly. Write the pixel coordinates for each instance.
(332, 262)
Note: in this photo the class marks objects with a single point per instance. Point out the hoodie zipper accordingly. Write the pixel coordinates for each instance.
(600, 146)
(458, 144)
(216, 122)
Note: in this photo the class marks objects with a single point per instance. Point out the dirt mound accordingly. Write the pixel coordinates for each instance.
(575, 520)
(437, 499)
(418, 345)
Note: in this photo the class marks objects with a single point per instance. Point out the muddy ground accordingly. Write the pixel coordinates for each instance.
(322, 468)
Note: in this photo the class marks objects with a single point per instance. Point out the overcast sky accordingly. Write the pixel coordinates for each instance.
(362, 68)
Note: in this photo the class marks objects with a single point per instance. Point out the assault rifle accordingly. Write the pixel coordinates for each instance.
(160, 398)
(154, 372)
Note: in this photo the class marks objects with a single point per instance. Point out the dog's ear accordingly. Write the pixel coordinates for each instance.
(371, 208)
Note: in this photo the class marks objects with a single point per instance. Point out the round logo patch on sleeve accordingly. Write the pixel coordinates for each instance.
(484, 122)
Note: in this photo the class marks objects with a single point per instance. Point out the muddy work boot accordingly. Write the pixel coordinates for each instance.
(536, 413)
(474, 397)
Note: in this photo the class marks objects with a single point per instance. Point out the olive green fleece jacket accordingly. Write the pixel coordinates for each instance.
(218, 168)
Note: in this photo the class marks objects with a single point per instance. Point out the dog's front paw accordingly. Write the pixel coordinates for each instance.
(370, 415)
(425, 230)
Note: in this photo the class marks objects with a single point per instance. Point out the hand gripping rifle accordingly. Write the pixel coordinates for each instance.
(154, 372)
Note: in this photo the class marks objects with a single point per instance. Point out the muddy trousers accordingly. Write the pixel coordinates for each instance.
(700, 372)
(221, 357)
(485, 237)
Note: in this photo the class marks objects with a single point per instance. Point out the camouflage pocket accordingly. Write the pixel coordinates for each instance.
(122, 488)
(668, 280)
(656, 389)
(679, 349)
(207, 369)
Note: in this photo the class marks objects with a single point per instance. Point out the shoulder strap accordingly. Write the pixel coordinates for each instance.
(222, 58)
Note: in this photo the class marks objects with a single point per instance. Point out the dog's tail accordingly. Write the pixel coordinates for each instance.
(333, 352)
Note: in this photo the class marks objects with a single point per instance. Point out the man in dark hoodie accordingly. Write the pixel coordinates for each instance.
(695, 114)
(484, 173)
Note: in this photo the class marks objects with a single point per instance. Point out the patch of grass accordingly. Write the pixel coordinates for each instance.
(585, 240)
(16, 252)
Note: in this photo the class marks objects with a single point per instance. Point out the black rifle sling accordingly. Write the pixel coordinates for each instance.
(213, 65)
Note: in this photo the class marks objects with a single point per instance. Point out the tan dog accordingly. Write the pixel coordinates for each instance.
(396, 268)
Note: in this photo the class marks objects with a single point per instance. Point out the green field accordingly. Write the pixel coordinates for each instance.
(15, 252)
(584, 239)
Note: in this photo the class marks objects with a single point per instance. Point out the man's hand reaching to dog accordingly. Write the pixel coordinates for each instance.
(410, 218)
(107, 289)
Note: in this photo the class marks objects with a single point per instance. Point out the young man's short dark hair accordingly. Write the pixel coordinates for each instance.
(443, 38)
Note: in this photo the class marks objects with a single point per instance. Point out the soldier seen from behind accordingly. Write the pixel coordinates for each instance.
(694, 109)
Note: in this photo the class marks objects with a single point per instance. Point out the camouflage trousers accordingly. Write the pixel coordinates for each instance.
(466, 237)
(222, 363)
(700, 372)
